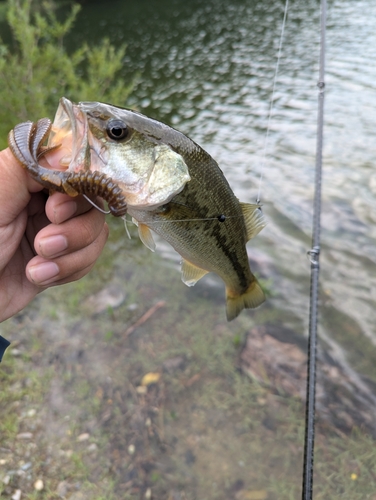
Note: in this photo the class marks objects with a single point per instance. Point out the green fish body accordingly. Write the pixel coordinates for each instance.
(178, 191)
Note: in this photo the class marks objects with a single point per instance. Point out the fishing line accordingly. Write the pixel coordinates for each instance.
(263, 161)
(314, 254)
(126, 226)
(106, 212)
(220, 218)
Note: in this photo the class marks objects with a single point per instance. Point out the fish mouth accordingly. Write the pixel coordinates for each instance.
(69, 131)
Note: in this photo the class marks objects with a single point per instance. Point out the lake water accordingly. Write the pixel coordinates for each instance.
(207, 69)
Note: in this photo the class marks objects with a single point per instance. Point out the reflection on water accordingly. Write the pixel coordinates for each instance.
(207, 69)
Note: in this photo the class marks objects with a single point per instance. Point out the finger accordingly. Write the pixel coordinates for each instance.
(61, 207)
(70, 236)
(66, 268)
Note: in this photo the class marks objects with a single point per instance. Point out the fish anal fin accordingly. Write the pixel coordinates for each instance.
(235, 303)
(254, 219)
(146, 237)
(190, 273)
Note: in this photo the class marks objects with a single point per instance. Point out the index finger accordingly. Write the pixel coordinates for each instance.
(16, 187)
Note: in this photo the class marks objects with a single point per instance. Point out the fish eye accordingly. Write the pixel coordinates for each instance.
(117, 130)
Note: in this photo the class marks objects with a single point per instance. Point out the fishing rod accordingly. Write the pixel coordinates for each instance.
(314, 253)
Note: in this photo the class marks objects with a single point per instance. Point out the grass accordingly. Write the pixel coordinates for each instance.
(200, 432)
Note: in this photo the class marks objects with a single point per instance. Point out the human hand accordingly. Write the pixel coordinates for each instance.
(42, 243)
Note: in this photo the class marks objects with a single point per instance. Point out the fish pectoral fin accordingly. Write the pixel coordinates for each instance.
(146, 237)
(235, 303)
(254, 219)
(190, 273)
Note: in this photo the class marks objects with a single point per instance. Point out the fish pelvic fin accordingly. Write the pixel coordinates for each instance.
(254, 219)
(190, 273)
(235, 303)
(146, 237)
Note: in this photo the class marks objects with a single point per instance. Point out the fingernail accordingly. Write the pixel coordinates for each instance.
(64, 211)
(42, 273)
(53, 245)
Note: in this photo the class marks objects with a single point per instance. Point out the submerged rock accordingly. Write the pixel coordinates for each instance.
(276, 356)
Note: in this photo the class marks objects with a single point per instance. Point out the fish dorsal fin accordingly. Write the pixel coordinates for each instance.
(254, 219)
(146, 237)
(190, 273)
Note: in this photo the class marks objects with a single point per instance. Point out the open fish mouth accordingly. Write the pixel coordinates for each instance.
(70, 131)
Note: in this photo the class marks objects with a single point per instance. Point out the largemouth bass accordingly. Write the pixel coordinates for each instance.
(171, 186)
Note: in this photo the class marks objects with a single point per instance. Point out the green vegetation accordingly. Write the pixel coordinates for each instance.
(36, 69)
(199, 431)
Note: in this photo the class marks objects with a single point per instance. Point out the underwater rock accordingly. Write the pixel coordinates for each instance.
(276, 357)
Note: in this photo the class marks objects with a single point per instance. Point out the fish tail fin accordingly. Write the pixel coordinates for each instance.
(251, 298)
